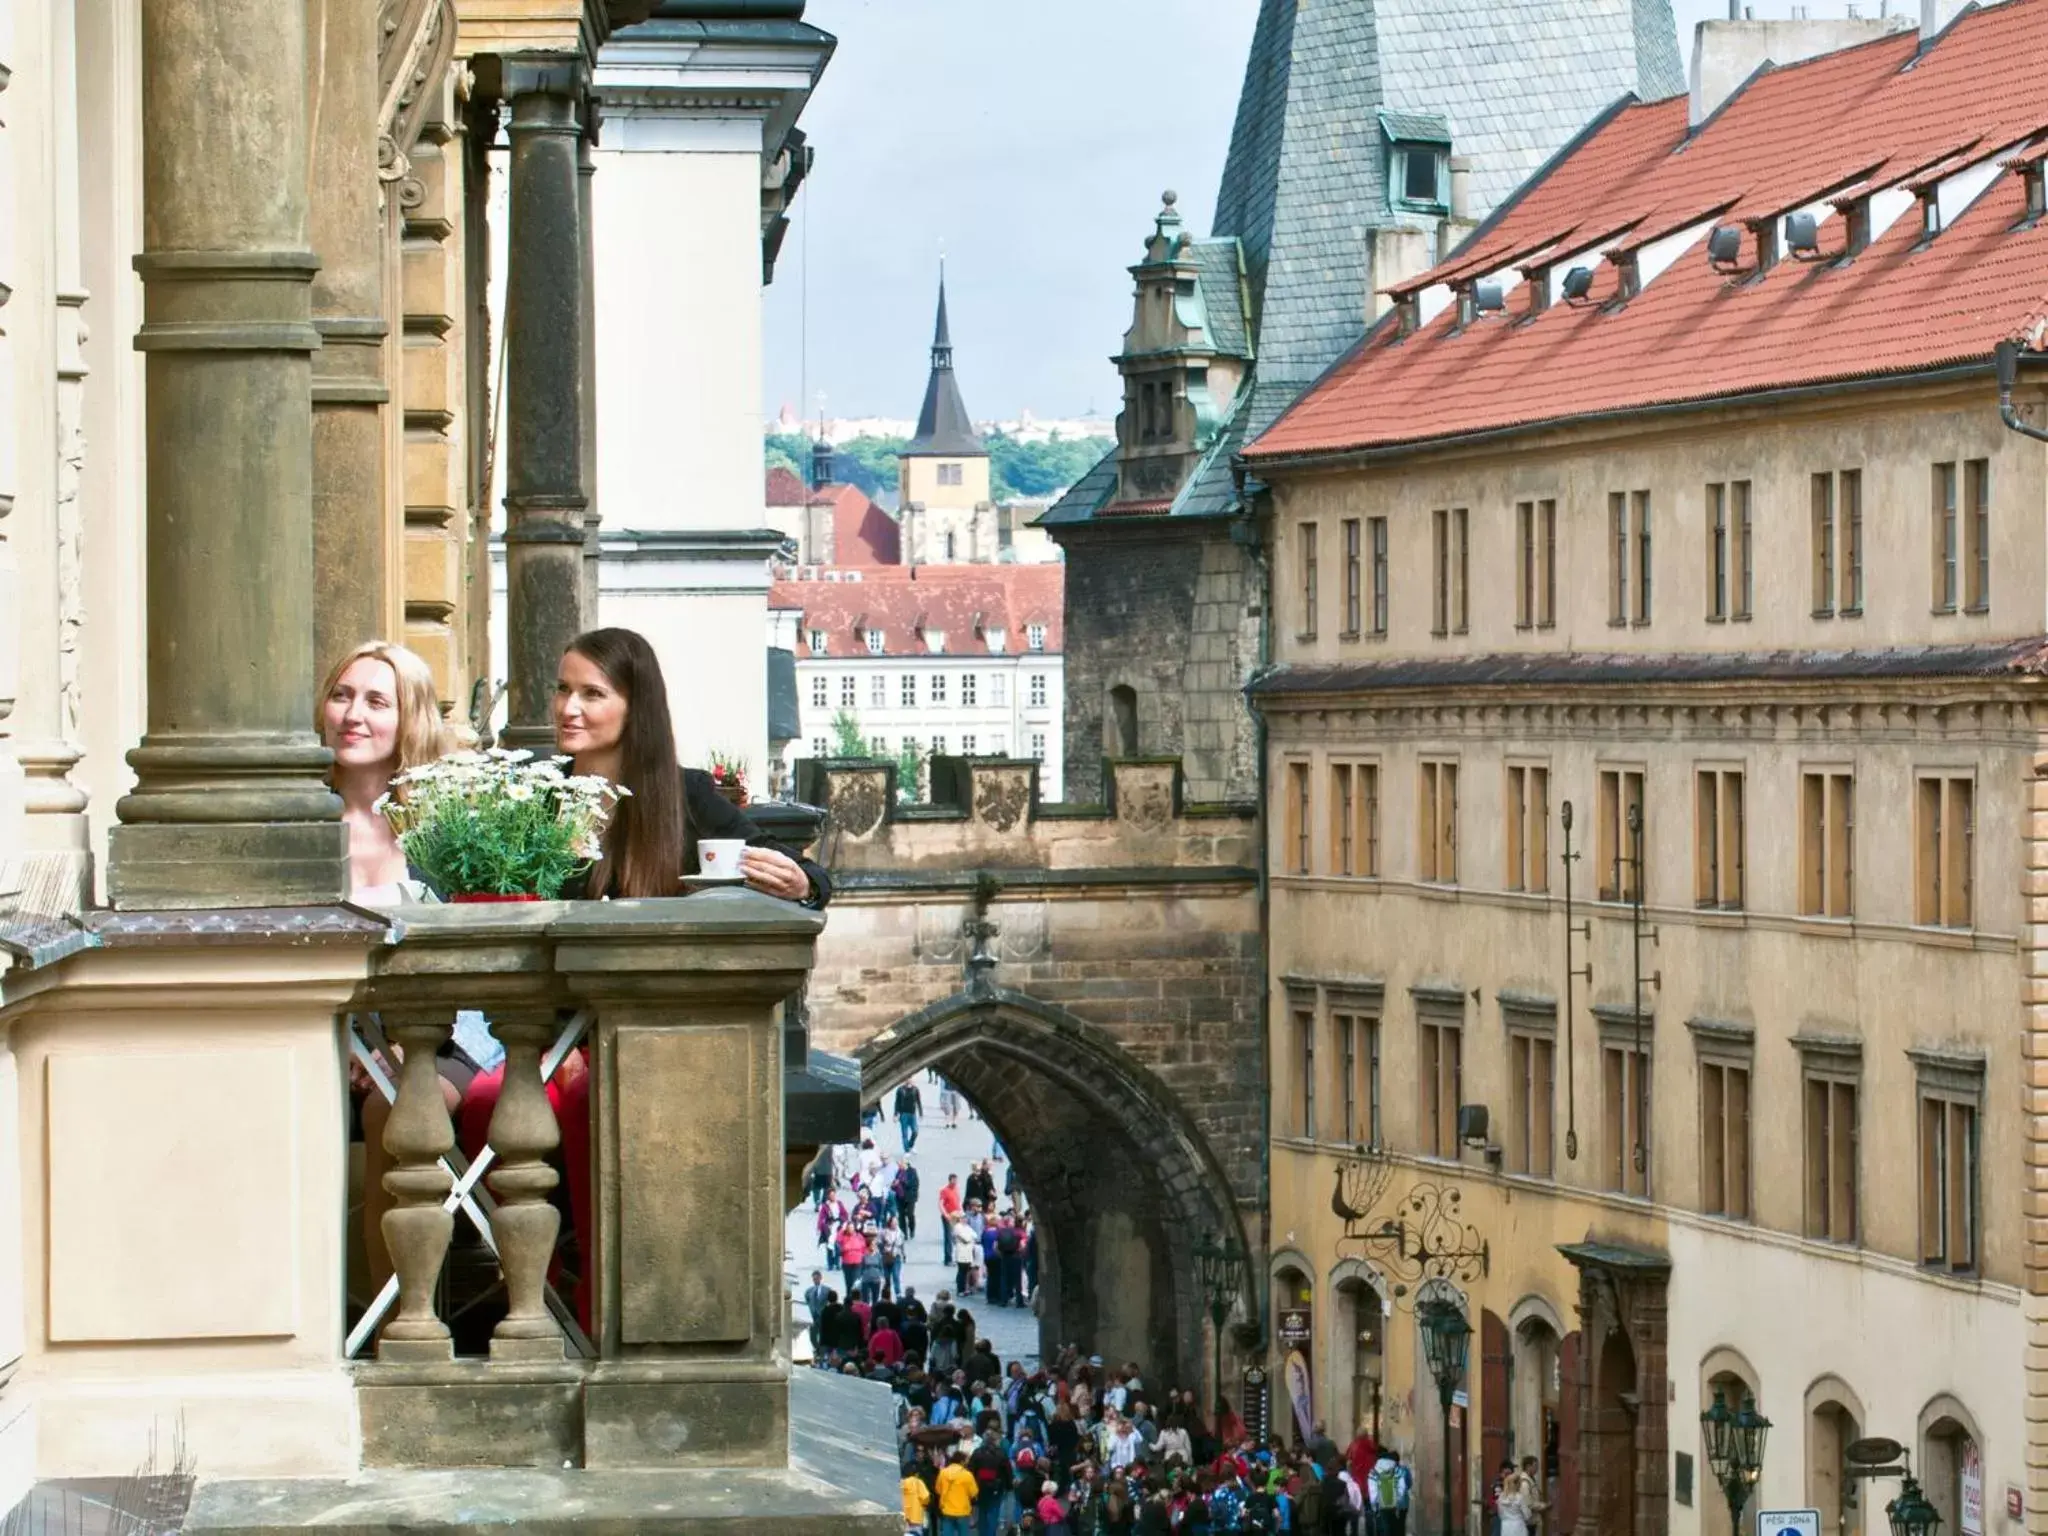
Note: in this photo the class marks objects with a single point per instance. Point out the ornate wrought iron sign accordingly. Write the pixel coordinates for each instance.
(1423, 1238)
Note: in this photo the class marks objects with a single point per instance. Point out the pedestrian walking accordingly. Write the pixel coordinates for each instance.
(950, 1201)
(957, 1489)
(906, 1189)
(909, 1106)
(890, 1243)
(816, 1298)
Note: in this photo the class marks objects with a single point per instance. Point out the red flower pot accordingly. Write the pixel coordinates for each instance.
(491, 896)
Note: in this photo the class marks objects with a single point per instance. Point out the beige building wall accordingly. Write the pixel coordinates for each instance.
(1881, 999)
(919, 480)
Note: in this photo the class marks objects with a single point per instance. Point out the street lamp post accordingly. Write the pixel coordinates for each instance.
(1219, 1268)
(1910, 1513)
(1445, 1335)
(1735, 1451)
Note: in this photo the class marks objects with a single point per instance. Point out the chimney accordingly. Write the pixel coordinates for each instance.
(1461, 184)
(1930, 20)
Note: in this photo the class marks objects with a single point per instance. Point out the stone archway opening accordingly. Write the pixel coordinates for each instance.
(1122, 1187)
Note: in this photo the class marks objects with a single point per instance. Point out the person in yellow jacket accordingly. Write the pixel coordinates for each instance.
(917, 1502)
(957, 1490)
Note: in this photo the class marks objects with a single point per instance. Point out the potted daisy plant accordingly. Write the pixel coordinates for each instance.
(499, 825)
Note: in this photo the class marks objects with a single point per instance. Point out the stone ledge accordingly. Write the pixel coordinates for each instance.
(541, 1503)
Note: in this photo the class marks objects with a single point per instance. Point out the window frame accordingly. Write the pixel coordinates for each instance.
(1827, 841)
(1830, 1076)
(1945, 814)
(1377, 537)
(1740, 499)
(1357, 1060)
(1627, 1066)
(1526, 820)
(1720, 837)
(1354, 588)
(1976, 535)
(1718, 548)
(1439, 1023)
(1298, 815)
(1946, 550)
(1619, 784)
(1530, 1026)
(1309, 533)
(1725, 1154)
(1436, 819)
(1952, 1084)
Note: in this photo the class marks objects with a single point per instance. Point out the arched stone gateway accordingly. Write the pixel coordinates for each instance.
(1123, 1185)
(1090, 977)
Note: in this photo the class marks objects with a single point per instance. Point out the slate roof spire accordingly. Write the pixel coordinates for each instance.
(943, 428)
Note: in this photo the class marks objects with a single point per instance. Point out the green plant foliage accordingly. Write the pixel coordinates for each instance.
(498, 823)
(910, 766)
(1040, 469)
(847, 740)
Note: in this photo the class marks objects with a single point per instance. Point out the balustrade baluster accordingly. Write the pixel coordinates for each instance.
(523, 1133)
(417, 1229)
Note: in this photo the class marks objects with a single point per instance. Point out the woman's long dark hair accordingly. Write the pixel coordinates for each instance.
(643, 843)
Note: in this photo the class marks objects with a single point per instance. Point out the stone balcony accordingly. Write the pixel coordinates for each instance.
(179, 1081)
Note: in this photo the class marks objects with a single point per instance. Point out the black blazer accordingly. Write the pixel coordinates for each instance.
(707, 813)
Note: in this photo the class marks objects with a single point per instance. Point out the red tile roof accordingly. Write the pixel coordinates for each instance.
(862, 533)
(1866, 117)
(786, 488)
(905, 602)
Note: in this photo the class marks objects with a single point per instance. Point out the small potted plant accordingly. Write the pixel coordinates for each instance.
(498, 825)
(729, 776)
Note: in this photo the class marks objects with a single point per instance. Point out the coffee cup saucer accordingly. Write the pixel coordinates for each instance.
(714, 879)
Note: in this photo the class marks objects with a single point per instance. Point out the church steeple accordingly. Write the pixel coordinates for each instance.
(943, 426)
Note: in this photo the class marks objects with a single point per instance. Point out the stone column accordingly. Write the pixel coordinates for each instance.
(10, 566)
(545, 493)
(351, 546)
(46, 384)
(229, 807)
(586, 169)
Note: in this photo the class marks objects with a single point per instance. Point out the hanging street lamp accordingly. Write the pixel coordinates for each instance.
(1910, 1513)
(1735, 1450)
(1219, 1270)
(1445, 1337)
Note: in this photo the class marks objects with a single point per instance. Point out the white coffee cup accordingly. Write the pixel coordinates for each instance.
(718, 858)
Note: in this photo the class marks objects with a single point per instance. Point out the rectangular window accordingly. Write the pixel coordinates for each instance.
(1944, 538)
(1822, 500)
(821, 692)
(1948, 1180)
(1831, 1145)
(998, 689)
(1641, 500)
(1440, 571)
(938, 688)
(878, 746)
(1745, 561)
(1525, 564)
(878, 691)
(969, 688)
(1305, 1058)
(1827, 844)
(875, 640)
(1299, 825)
(938, 746)
(1944, 841)
(1625, 1090)
(1308, 581)
(1036, 697)
(1354, 579)
(1000, 747)
(819, 746)
(949, 474)
(817, 642)
(1849, 538)
(1724, 1139)
(1615, 850)
(1343, 823)
(1617, 557)
(1717, 553)
(1718, 843)
(1528, 820)
(848, 691)
(1436, 823)
(1034, 637)
(1358, 1051)
(1535, 564)
(1532, 1065)
(1038, 745)
(1977, 535)
(1441, 1081)
(967, 746)
(908, 690)
(1461, 570)
(1377, 528)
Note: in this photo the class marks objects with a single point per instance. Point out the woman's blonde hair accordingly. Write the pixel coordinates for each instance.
(422, 733)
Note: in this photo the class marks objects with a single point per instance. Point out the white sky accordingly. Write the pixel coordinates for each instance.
(1029, 143)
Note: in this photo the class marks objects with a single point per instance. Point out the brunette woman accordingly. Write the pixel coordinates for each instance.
(379, 716)
(612, 719)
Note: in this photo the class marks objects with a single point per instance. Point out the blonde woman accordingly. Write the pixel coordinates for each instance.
(379, 715)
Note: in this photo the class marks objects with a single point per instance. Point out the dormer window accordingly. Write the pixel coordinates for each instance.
(997, 640)
(817, 642)
(935, 641)
(1418, 161)
(874, 642)
(1034, 636)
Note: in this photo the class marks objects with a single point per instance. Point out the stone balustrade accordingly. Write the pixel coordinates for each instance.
(681, 1001)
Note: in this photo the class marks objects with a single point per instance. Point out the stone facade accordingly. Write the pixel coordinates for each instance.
(1095, 995)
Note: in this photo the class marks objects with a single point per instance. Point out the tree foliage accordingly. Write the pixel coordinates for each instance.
(1016, 469)
(847, 740)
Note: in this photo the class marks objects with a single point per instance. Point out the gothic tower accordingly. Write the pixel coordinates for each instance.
(943, 475)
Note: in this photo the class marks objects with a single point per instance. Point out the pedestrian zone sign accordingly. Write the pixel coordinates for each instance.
(1788, 1522)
